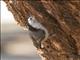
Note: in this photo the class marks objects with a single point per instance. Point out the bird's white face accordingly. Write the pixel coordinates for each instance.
(34, 23)
(31, 20)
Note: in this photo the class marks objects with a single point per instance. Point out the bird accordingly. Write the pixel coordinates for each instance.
(37, 31)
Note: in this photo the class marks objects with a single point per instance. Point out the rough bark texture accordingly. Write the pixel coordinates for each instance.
(60, 17)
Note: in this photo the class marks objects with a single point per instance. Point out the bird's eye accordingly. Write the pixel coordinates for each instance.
(30, 18)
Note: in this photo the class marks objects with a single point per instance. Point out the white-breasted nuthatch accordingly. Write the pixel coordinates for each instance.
(37, 31)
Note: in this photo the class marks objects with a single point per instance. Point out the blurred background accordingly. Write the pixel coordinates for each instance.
(15, 42)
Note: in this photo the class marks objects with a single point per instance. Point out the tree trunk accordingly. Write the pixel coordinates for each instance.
(62, 20)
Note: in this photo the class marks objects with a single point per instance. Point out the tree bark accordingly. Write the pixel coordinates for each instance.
(60, 17)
